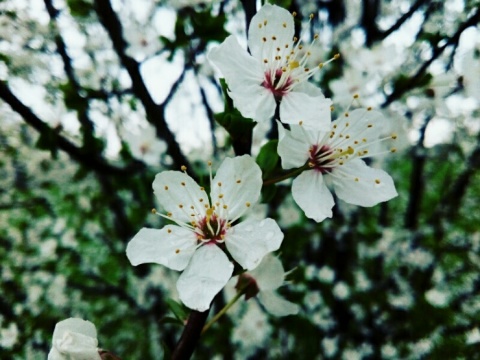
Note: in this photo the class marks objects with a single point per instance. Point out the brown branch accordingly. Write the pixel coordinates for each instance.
(155, 113)
(191, 333)
(437, 51)
(91, 161)
(401, 20)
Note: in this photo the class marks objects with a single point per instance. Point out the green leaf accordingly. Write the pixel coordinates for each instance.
(80, 8)
(268, 158)
(177, 309)
(268, 192)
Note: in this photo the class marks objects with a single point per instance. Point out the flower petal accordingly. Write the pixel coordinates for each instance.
(312, 111)
(236, 186)
(206, 274)
(269, 275)
(312, 195)
(294, 151)
(358, 184)
(249, 241)
(237, 66)
(273, 23)
(254, 102)
(276, 305)
(180, 195)
(74, 338)
(171, 246)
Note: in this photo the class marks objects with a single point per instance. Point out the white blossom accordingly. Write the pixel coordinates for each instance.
(335, 157)
(74, 339)
(268, 277)
(204, 229)
(275, 73)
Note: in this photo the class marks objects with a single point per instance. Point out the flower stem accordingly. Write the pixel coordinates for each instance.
(287, 175)
(224, 310)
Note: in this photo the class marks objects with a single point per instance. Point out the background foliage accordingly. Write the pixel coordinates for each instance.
(99, 96)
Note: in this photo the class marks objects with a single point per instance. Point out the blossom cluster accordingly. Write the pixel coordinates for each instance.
(207, 239)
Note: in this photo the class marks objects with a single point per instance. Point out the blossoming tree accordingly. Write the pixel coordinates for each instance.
(312, 169)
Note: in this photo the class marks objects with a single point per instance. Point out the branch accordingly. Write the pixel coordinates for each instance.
(191, 333)
(155, 113)
(437, 51)
(91, 161)
(402, 19)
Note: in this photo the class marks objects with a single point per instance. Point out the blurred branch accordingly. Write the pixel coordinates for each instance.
(401, 20)
(250, 9)
(370, 11)
(90, 161)
(436, 52)
(191, 333)
(155, 113)
(85, 121)
(416, 180)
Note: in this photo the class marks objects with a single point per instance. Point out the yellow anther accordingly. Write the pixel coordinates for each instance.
(293, 64)
(311, 164)
(169, 231)
(295, 39)
(394, 136)
(169, 214)
(219, 183)
(180, 206)
(307, 69)
(259, 26)
(294, 13)
(220, 196)
(183, 168)
(183, 183)
(350, 150)
(265, 61)
(347, 124)
(264, 22)
(356, 179)
(347, 114)
(177, 251)
(284, 25)
(311, 16)
(274, 38)
(201, 200)
(335, 126)
(239, 181)
(264, 39)
(247, 204)
(315, 36)
(369, 125)
(369, 108)
(332, 107)
(336, 56)
(356, 96)
(225, 207)
(154, 211)
(202, 188)
(209, 163)
(320, 65)
(300, 122)
(377, 181)
(393, 150)
(166, 187)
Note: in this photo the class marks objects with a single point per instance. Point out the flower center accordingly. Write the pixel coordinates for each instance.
(277, 82)
(321, 158)
(211, 228)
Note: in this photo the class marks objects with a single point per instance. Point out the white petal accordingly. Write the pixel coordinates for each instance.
(171, 246)
(254, 102)
(206, 274)
(373, 185)
(279, 25)
(77, 325)
(276, 305)
(312, 195)
(249, 241)
(237, 66)
(312, 111)
(294, 151)
(269, 275)
(237, 186)
(75, 339)
(180, 195)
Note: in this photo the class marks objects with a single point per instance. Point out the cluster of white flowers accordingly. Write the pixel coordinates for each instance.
(207, 240)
